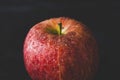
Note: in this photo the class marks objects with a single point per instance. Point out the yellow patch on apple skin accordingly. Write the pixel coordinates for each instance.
(51, 30)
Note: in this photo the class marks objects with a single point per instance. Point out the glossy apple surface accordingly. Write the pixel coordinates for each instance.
(60, 49)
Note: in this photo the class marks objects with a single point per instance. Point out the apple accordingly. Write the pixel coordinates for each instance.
(60, 49)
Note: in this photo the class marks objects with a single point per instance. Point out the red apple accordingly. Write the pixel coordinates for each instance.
(60, 49)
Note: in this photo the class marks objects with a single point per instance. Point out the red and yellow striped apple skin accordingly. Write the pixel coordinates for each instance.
(73, 55)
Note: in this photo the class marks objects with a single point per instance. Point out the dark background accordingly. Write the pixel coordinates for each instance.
(17, 17)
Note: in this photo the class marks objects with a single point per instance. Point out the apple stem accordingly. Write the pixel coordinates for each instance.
(60, 28)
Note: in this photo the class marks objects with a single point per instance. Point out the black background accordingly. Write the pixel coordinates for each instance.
(17, 17)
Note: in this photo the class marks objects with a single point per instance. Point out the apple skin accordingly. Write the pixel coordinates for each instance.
(73, 55)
